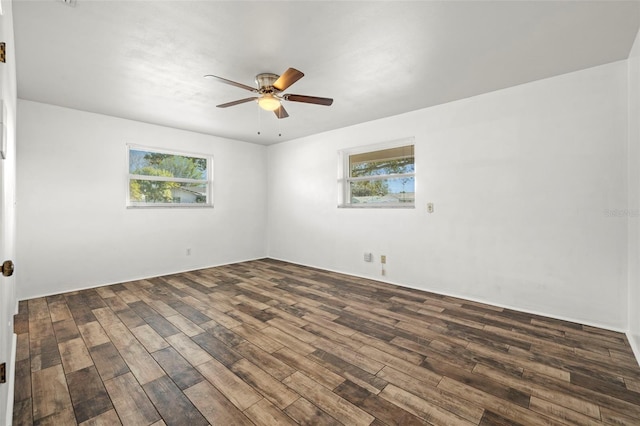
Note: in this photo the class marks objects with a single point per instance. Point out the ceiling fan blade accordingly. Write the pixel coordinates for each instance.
(289, 77)
(238, 102)
(309, 99)
(233, 83)
(281, 112)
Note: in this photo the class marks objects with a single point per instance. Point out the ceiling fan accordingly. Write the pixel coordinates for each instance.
(269, 90)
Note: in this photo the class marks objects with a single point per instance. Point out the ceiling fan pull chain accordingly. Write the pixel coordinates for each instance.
(259, 119)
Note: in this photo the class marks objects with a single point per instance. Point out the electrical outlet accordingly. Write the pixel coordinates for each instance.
(430, 207)
(188, 252)
(383, 259)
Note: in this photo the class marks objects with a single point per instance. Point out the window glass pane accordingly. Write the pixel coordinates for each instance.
(167, 165)
(382, 162)
(383, 191)
(148, 192)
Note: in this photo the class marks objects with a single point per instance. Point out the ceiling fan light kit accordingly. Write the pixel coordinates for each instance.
(269, 102)
(269, 86)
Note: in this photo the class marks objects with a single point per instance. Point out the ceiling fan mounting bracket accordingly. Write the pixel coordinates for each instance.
(265, 82)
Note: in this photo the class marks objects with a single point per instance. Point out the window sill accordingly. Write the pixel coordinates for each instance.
(376, 206)
(172, 206)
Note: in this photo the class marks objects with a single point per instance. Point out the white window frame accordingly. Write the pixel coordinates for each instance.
(345, 179)
(208, 181)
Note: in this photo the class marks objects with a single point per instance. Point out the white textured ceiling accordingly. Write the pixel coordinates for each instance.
(145, 60)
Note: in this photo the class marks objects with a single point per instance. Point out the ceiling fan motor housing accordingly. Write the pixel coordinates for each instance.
(265, 82)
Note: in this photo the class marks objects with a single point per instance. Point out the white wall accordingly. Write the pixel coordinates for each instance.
(73, 228)
(634, 196)
(528, 184)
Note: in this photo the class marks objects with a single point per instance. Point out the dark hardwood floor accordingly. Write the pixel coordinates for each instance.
(267, 342)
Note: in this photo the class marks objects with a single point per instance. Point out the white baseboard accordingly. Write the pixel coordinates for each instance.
(162, 274)
(464, 297)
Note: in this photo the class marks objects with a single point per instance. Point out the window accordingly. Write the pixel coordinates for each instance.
(384, 177)
(168, 179)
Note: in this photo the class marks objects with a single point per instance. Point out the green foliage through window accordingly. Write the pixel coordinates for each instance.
(382, 177)
(159, 179)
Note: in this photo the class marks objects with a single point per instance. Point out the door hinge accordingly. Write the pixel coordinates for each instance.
(3, 372)
(3, 52)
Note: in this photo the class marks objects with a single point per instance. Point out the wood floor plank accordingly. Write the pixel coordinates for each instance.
(293, 329)
(492, 419)
(161, 325)
(317, 372)
(506, 393)
(217, 349)
(349, 371)
(179, 369)
(75, 355)
(130, 318)
(58, 308)
(61, 417)
(238, 392)
(44, 353)
(378, 407)
(358, 359)
(256, 337)
(223, 334)
(398, 352)
(50, 392)
(116, 304)
(174, 407)
(421, 408)
(560, 413)
(141, 364)
(327, 337)
(601, 399)
(88, 394)
(612, 417)
(265, 413)
(432, 395)
(418, 372)
(569, 401)
(334, 405)
(93, 334)
(270, 388)
(22, 412)
(266, 361)
(22, 390)
(130, 401)
(108, 361)
(221, 318)
(499, 406)
(307, 414)
(605, 387)
(105, 316)
(214, 406)
(185, 325)
(142, 309)
(189, 349)
(288, 340)
(151, 340)
(22, 347)
(108, 418)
